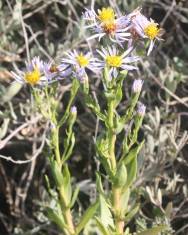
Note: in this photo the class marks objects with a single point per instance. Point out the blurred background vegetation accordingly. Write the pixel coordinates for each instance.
(48, 28)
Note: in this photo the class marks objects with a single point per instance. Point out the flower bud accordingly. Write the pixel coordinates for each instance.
(73, 110)
(84, 79)
(141, 110)
(52, 126)
(81, 75)
(73, 115)
(137, 86)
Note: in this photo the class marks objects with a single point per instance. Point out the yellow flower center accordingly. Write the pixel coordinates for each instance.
(110, 27)
(106, 14)
(82, 60)
(114, 60)
(33, 77)
(152, 30)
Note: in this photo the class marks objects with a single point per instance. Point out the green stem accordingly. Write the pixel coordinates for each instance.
(112, 140)
(112, 136)
(119, 223)
(74, 90)
(64, 204)
(67, 212)
(116, 192)
(56, 144)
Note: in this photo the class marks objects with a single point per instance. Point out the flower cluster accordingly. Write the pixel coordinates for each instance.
(122, 28)
(104, 22)
(38, 72)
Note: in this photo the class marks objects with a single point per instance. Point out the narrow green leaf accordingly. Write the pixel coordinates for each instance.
(121, 176)
(91, 103)
(69, 149)
(89, 213)
(132, 213)
(129, 113)
(118, 95)
(102, 150)
(47, 183)
(74, 197)
(131, 173)
(105, 213)
(101, 227)
(124, 201)
(66, 175)
(56, 170)
(56, 218)
(67, 183)
(154, 231)
(132, 154)
(99, 184)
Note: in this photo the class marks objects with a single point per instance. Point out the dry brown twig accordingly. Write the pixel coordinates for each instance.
(162, 86)
(38, 151)
(25, 35)
(24, 125)
(8, 138)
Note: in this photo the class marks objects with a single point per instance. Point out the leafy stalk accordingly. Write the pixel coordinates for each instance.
(62, 216)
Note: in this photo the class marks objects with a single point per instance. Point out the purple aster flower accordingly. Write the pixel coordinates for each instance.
(144, 28)
(115, 60)
(105, 23)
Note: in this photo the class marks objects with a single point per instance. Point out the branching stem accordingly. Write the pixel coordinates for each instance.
(116, 192)
(64, 204)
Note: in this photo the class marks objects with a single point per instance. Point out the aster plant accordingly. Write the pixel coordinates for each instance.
(112, 60)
